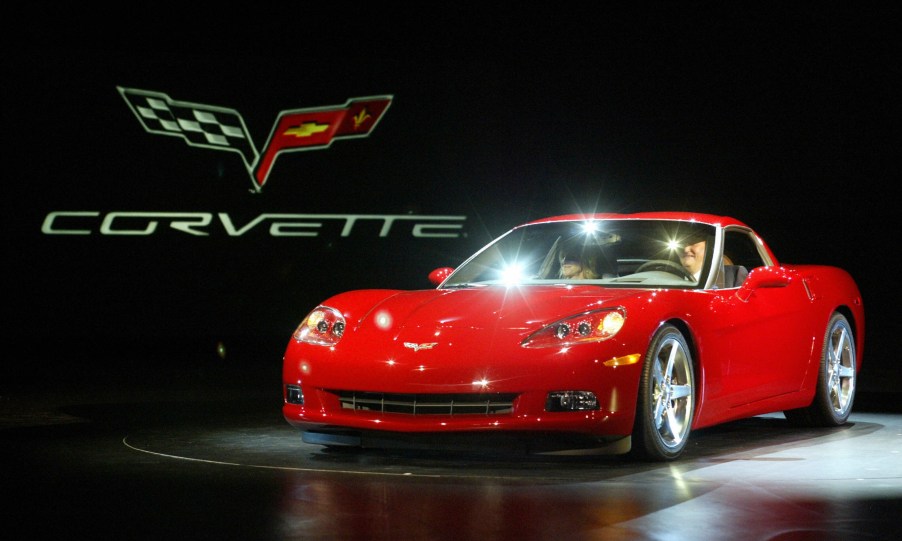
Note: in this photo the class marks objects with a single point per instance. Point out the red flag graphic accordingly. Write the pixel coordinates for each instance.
(310, 129)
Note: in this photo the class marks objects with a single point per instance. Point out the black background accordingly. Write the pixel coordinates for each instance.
(783, 115)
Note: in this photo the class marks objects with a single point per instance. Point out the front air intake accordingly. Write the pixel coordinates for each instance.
(428, 404)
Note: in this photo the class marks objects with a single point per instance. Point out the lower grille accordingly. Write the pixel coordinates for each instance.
(428, 404)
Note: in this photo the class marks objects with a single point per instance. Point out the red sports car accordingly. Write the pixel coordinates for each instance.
(601, 333)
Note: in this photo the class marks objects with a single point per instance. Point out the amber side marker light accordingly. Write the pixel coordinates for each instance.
(623, 361)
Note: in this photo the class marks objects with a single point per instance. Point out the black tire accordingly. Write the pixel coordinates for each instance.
(836, 379)
(666, 400)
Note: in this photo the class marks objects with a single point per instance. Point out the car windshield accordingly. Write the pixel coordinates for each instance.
(625, 253)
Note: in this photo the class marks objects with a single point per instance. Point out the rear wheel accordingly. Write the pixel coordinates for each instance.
(836, 378)
(666, 398)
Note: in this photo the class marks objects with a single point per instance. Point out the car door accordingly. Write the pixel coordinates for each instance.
(770, 338)
(765, 340)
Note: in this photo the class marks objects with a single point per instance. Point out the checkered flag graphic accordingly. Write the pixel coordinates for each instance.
(199, 125)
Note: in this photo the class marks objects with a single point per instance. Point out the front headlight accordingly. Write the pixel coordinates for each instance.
(593, 326)
(324, 326)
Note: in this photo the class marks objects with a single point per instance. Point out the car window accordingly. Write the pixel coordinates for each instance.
(741, 254)
(619, 253)
(741, 249)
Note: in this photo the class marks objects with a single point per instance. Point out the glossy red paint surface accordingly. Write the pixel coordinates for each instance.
(755, 348)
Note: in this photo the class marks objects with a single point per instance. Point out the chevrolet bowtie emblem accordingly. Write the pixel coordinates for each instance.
(418, 347)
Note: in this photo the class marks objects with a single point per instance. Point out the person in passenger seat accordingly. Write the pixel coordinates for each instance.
(733, 275)
(574, 267)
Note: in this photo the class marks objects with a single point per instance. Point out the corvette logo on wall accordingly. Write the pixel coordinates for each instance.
(220, 128)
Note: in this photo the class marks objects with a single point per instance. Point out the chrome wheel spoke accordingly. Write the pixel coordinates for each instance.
(842, 343)
(658, 395)
(671, 359)
(681, 391)
(674, 426)
(845, 372)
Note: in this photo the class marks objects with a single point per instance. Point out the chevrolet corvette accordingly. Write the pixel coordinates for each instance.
(582, 334)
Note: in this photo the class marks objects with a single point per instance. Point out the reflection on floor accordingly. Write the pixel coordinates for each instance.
(214, 462)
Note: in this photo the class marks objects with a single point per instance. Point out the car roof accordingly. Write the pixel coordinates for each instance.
(711, 219)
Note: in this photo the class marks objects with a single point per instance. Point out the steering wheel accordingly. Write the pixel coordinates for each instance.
(667, 266)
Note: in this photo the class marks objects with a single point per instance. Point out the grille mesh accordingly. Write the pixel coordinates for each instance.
(428, 404)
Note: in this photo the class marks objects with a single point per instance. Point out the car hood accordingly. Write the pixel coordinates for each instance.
(414, 341)
(421, 313)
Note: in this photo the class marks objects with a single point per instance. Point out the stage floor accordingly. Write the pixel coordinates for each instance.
(199, 461)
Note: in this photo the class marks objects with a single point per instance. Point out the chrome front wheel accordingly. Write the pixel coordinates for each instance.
(666, 398)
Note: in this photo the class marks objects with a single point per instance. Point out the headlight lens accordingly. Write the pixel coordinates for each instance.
(593, 326)
(324, 326)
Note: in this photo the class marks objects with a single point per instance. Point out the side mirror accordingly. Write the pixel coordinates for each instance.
(438, 275)
(763, 277)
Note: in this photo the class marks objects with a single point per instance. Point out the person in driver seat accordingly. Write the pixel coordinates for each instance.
(693, 255)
